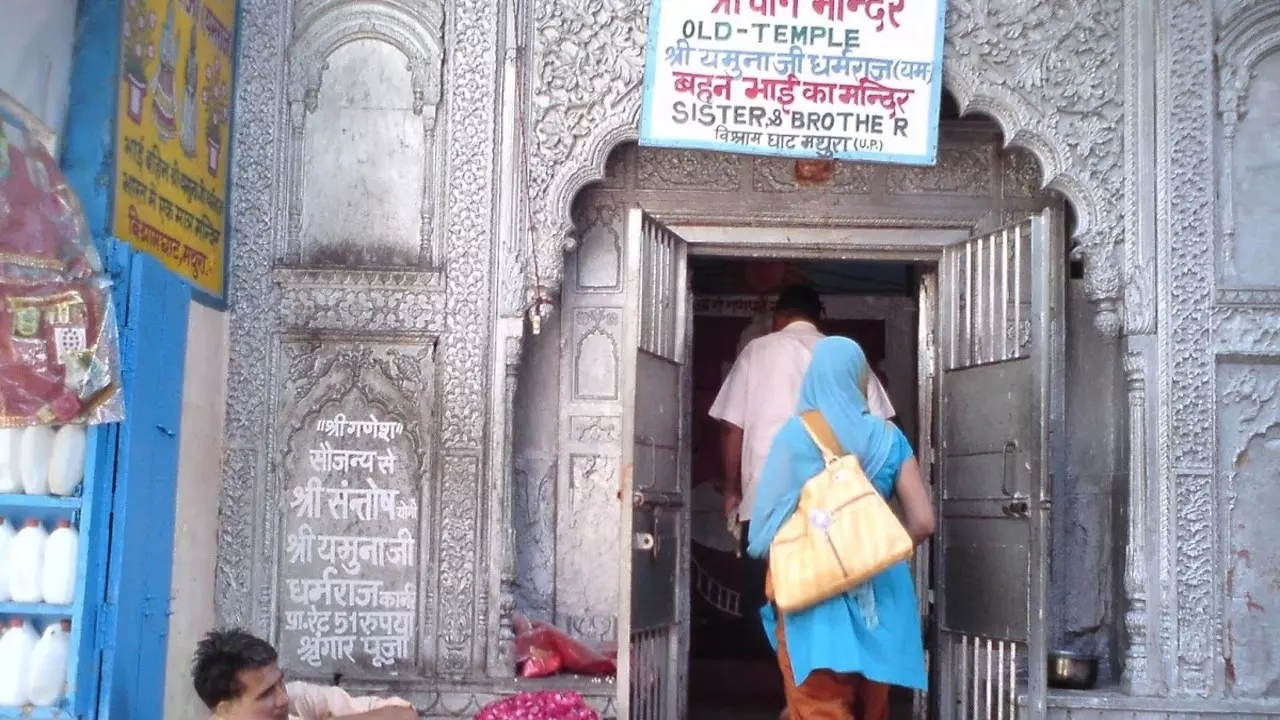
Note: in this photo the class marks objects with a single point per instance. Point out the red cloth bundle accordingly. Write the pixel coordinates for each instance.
(543, 649)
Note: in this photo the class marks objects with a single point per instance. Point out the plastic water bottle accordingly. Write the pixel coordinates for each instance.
(47, 677)
(58, 574)
(36, 452)
(10, 443)
(66, 464)
(16, 646)
(6, 545)
(26, 563)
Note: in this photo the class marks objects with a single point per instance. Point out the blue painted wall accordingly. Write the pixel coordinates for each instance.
(136, 467)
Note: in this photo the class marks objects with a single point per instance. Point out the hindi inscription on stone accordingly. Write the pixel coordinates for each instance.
(352, 498)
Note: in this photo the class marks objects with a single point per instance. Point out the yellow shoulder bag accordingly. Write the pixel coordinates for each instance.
(841, 535)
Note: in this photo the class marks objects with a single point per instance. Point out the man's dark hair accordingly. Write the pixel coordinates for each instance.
(220, 657)
(799, 300)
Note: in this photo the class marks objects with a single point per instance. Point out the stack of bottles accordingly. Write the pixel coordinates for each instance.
(38, 566)
(42, 461)
(39, 560)
(33, 668)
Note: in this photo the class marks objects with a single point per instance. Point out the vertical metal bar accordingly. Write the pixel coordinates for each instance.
(1017, 291)
(684, 322)
(952, 336)
(963, 676)
(946, 311)
(668, 297)
(650, 677)
(655, 276)
(1000, 686)
(645, 681)
(643, 239)
(981, 310)
(991, 299)
(1004, 295)
(654, 679)
(973, 674)
(1013, 680)
(987, 676)
(655, 290)
(975, 273)
(676, 299)
(655, 689)
(661, 291)
(659, 667)
(968, 304)
(662, 687)
(988, 288)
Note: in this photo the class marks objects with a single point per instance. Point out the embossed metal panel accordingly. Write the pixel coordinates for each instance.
(654, 617)
(999, 387)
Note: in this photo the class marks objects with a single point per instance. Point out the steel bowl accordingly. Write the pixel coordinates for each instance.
(1072, 671)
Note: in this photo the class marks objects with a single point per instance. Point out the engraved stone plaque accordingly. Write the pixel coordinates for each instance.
(352, 472)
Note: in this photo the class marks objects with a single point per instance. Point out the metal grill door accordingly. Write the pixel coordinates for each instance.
(654, 617)
(1000, 391)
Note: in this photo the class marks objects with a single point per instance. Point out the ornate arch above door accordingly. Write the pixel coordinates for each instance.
(1048, 73)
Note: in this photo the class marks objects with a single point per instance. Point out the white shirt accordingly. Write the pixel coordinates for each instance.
(761, 393)
(322, 702)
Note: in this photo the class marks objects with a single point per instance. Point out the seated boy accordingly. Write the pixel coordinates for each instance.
(237, 677)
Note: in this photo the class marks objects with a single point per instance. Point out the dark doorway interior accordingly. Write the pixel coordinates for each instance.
(730, 674)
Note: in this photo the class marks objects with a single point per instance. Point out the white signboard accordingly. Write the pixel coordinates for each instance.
(843, 79)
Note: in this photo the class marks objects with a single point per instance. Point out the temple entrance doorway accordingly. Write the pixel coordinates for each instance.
(733, 673)
(986, 380)
(964, 260)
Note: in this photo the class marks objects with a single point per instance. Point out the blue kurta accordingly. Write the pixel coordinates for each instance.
(872, 630)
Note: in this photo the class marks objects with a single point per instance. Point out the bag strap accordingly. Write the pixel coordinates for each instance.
(822, 436)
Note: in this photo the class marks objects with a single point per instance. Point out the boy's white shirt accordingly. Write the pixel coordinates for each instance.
(322, 702)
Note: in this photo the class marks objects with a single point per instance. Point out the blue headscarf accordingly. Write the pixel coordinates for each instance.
(836, 386)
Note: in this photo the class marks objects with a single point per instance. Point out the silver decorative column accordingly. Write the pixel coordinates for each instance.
(1135, 677)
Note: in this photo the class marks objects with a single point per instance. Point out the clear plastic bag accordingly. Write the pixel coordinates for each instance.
(59, 347)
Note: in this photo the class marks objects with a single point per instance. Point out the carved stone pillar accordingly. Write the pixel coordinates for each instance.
(500, 660)
(1135, 678)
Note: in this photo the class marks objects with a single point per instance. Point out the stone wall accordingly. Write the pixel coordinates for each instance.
(1246, 346)
(1119, 102)
(363, 250)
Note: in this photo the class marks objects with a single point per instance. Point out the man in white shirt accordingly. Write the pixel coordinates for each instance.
(756, 399)
(238, 677)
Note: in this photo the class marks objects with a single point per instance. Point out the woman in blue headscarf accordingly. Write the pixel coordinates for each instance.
(838, 658)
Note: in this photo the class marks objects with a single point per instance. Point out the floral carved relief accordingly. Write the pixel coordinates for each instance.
(449, 300)
(1048, 73)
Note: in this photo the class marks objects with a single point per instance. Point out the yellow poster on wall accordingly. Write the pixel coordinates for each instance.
(172, 134)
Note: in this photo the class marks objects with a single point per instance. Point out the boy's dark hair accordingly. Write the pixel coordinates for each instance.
(800, 300)
(220, 657)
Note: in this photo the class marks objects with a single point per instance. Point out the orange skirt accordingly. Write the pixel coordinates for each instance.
(827, 695)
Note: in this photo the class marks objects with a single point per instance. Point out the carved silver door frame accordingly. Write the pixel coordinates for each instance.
(926, 376)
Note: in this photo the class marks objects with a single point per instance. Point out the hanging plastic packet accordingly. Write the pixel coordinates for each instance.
(59, 350)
